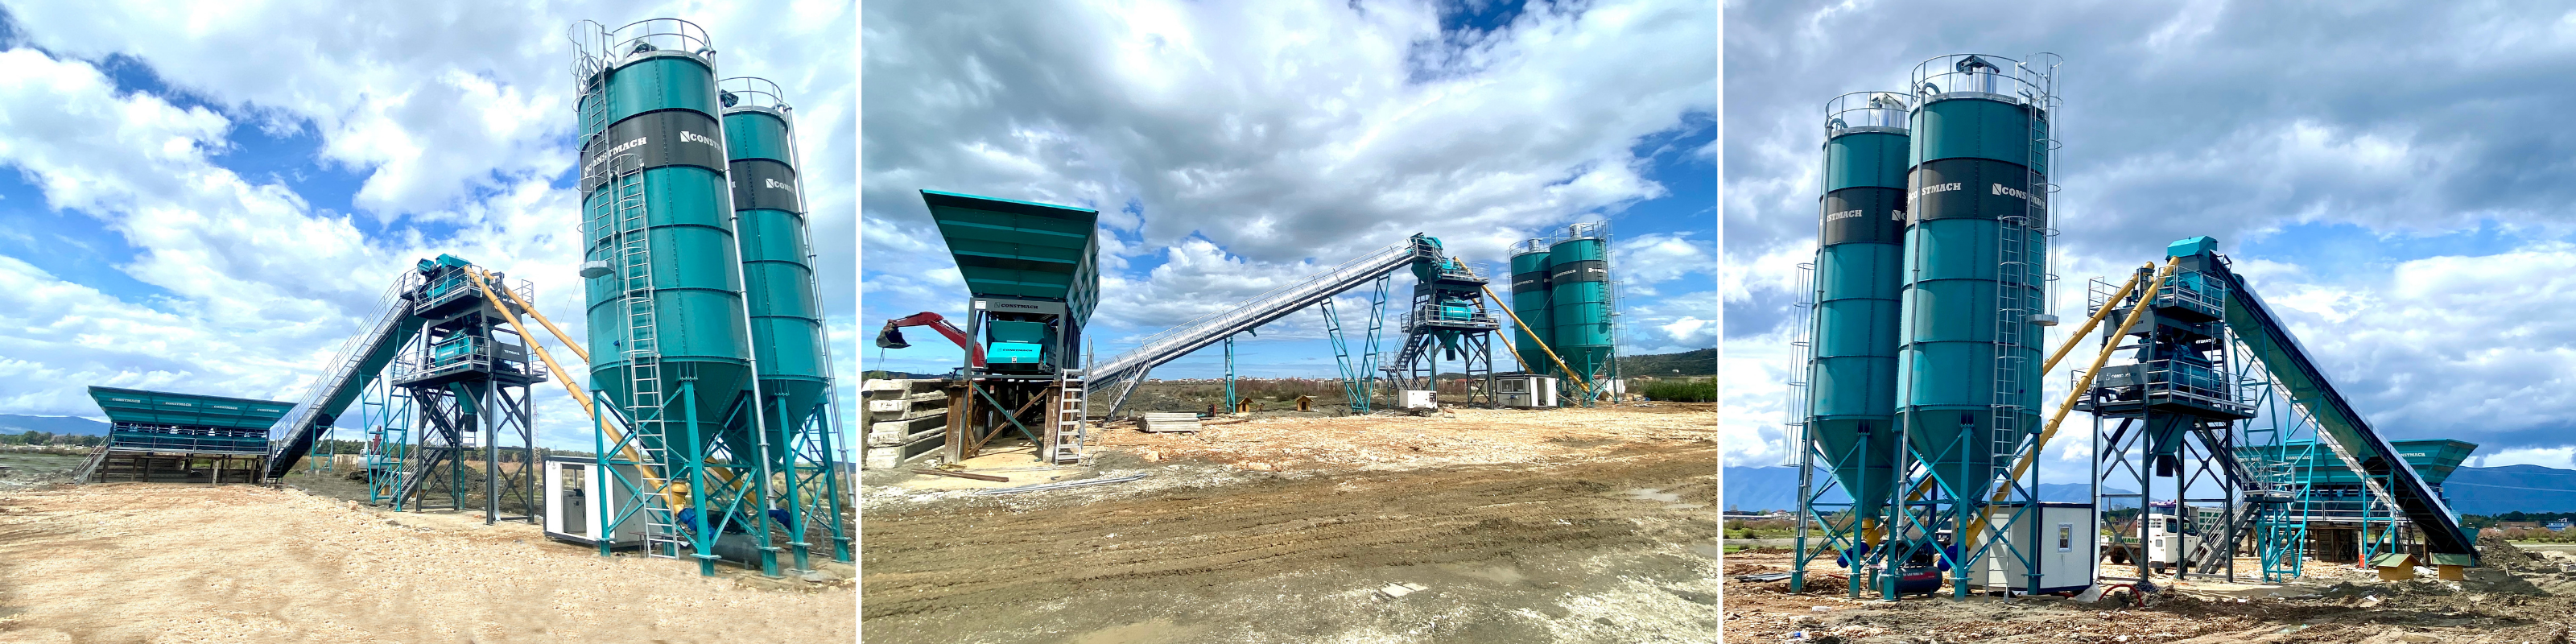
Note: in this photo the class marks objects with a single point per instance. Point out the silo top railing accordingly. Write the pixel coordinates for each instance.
(1986, 76)
(1594, 230)
(752, 92)
(598, 48)
(1867, 112)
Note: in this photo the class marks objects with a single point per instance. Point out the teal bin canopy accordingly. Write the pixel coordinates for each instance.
(1020, 249)
(141, 407)
(2434, 459)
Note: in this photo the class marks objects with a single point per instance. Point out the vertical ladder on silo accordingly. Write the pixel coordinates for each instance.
(2021, 282)
(2012, 268)
(1065, 431)
(647, 398)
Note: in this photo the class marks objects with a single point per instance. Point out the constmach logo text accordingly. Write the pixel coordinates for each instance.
(775, 185)
(686, 137)
(1937, 187)
(1839, 216)
(2001, 190)
(621, 147)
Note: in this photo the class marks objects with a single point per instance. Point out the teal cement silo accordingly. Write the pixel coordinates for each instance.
(1976, 266)
(786, 318)
(1579, 300)
(1530, 306)
(1851, 403)
(663, 283)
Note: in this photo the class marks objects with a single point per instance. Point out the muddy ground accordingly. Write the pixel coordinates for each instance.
(2506, 603)
(1568, 526)
(133, 562)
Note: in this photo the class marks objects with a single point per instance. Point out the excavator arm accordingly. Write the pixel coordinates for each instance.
(892, 336)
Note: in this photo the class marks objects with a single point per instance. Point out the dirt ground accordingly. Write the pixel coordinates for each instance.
(1563, 526)
(155, 563)
(2507, 602)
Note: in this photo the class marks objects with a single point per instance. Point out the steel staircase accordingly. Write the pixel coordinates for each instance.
(432, 456)
(2213, 555)
(90, 467)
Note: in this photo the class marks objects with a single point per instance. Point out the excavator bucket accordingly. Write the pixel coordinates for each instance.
(892, 338)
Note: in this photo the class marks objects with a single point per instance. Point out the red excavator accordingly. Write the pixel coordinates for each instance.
(892, 336)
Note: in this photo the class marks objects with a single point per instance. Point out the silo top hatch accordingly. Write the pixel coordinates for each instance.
(1020, 249)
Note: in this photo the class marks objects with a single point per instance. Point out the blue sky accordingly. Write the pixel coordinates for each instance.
(210, 199)
(2385, 173)
(1232, 148)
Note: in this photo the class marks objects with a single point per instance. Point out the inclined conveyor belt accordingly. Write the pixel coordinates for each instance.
(2337, 422)
(358, 363)
(1260, 309)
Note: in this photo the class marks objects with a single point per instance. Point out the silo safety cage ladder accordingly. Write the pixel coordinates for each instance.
(2020, 295)
(625, 220)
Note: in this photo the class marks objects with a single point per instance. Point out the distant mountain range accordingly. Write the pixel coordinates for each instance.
(2485, 491)
(2512, 488)
(1702, 362)
(72, 425)
(1757, 489)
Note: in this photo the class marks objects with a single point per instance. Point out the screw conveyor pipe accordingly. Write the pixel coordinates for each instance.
(578, 395)
(2072, 339)
(1584, 382)
(2109, 346)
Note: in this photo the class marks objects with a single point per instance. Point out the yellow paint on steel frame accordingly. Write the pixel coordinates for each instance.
(541, 319)
(671, 494)
(2072, 339)
(2022, 466)
(1580, 382)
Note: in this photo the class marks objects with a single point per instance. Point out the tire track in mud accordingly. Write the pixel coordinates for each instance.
(978, 553)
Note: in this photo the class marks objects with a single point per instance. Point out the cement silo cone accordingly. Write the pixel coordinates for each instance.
(1851, 399)
(1579, 300)
(1530, 305)
(656, 214)
(769, 210)
(1977, 144)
